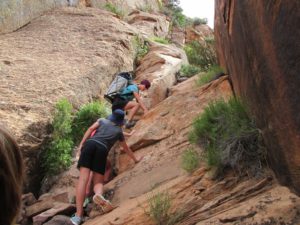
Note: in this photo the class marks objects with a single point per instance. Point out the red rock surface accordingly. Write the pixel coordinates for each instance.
(258, 43)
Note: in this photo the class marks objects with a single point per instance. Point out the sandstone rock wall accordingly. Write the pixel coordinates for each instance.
(258, 43)
(67, 53)
(17, 13)
(129, 5)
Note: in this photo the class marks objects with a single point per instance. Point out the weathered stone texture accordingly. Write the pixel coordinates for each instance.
(258, 43)
(67, 53)
(17, 13)
(128, 5)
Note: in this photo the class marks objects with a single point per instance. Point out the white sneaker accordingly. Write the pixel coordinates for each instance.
(103, 203)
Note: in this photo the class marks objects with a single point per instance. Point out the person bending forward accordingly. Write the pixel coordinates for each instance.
(93, 153)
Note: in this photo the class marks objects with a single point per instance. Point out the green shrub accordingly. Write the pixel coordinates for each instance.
(141, 49)
(57, 155)
(189, 70)
(86, 116)
(173, 10)
(229, 137)
(190, 160)
(198, 21)
(159, 208)
(209, 75)
(114, 9)
(210, 40)
(202, 55)
(160, 40)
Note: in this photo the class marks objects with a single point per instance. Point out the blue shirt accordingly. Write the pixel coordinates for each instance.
(127, 93)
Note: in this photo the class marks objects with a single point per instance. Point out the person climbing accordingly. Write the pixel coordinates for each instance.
(107, 174)
(125, 101)
(93, 154)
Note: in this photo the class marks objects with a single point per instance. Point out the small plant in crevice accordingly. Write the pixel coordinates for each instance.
(190, 160)
(141, 49)
(160, 209)
(201, 54)
(86, 116)
(160, 40)
(230, 138)
(213, 72)
(57, 155)
(114, 9)
(188, 70)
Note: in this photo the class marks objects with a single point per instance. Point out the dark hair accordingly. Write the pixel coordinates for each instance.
(11, 177)
(146, 83)
(117, 117)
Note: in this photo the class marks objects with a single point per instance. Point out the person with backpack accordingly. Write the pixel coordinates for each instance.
(124, 100)
(93, 156)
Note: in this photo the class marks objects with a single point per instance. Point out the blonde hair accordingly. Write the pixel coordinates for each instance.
(11, 177)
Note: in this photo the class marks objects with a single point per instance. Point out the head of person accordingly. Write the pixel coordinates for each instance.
(117, 117)
(145, 84)
(11, 177)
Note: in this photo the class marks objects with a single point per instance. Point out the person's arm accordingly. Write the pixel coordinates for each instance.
(128, 134)
(86, 135)
(139, 100)
(129, 152)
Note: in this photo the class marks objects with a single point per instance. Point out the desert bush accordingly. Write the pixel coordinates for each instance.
(198, 21)
(159, 208)
(174, 11)
(190, 160)
(86, 116)
(114, 9)
(189, 70)
(209, 75)
(229, 137)
(57, 155)
(202, 55)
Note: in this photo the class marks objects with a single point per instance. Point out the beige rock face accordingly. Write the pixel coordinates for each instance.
(257, 42)
(149, 25)
(160, 66)
(178, 36)
(15, 14)
(198, 33)
(69, 53)
(128, 5)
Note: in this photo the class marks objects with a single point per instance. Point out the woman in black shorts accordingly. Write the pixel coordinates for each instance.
(93, 153)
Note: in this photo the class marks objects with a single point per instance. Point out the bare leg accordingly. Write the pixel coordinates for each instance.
(98, 180)
(107, 171)
(80, 190)
(134, 106)
(89, 189)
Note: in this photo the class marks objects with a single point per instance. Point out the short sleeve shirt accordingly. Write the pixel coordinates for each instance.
(127, 93)
(108, 133)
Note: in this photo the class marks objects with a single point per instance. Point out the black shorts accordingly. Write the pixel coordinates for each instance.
(93, 156)
(119, 103)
